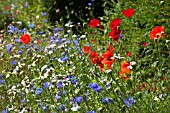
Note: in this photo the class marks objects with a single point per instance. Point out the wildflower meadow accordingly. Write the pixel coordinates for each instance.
(115, 63)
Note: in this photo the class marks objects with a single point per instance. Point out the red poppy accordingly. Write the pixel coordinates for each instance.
(125, 67)
(7, 7)
(157, 32)
(87, 50)
(38, 41)
(145, 44)
(94, 57)
(129, 54)
(114, 23)
(128, 12)
(124, 70)
(25, 39)
(94, 23)
(99, 63)
(115, 34)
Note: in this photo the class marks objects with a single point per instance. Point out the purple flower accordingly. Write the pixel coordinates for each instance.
(130, 100)
(43, 13)
(41, 32)
(105, 100)
(38, 91)
(60, 84)
(9, 47)
(47, 85)
(22, 100)
(95, 87)
(64, 58)
(61, 107)
(4, 111)
(20, 52)
(45, 20)
(61, 29)
(17, 40)
(14, 62)
(121, 36)
(90, 4)
(31, 25)
(78, 99)
(40, 105)
(74, 81)
(2, 81)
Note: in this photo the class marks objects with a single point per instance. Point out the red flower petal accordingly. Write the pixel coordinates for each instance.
(94, 23)
(129, 54)
(114, 23)
(145, 44)
(115, 34)
(25, 39)
(128, 12)
(157, 32)
(87, 50)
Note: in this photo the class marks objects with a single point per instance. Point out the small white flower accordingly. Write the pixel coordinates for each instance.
(75, 108)
(83, 36)
(133, 63)
(37, 16)
(118, 56)
(108, 71)
(74, 36)
(156, 99)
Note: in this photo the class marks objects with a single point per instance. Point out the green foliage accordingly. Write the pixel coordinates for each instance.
(60, 54)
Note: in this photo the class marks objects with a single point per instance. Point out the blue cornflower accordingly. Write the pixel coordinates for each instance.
(70, 77)
(92, 0)
(61, 107)
(43, 13)
(22, 101)
(108, 85)
(9, 47)
(61, 29)
(20, 52)
(31, 25)
(45, 108)
(57, 97)
(92, 85)
(40, 105)
(74, 81)
(95, 87)
(60, 84)
(130, 100)
(4, 111)
(90, 4)
(91, 111)
(41, 32)
(78, 99)
(64, 58)
(45, 20)
(2, 81)
(55, 30)
(38, 91)
(121, 36)
(76, 42)
(17, 40)
(14, 62)
(23, 31)
(47, 85)
(10, 31)
(105, 100)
